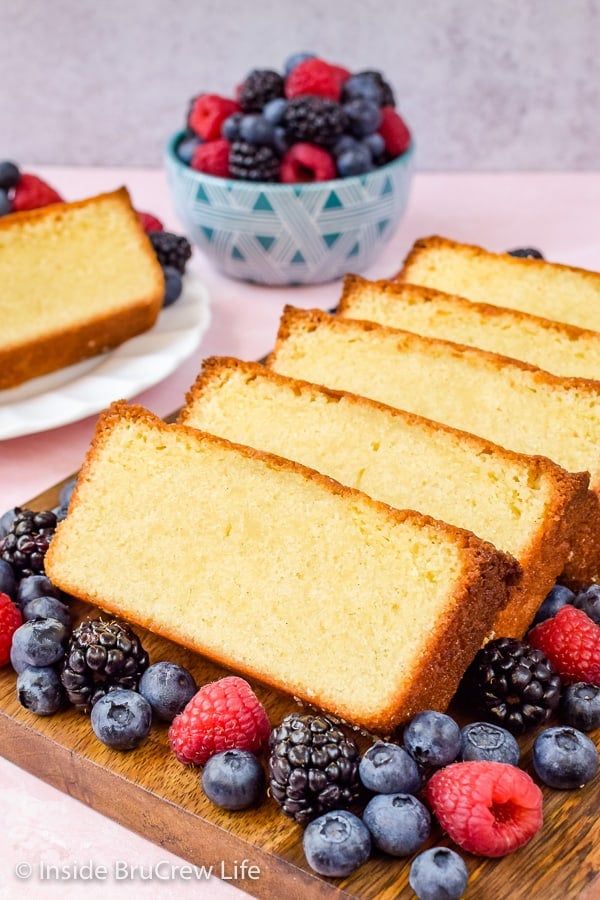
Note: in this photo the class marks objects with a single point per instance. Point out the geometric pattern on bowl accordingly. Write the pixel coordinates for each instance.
(289, 234)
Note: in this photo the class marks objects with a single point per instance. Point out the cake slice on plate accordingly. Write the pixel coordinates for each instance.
(76, 279)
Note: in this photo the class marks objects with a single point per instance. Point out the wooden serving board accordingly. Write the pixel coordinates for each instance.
(161, 799)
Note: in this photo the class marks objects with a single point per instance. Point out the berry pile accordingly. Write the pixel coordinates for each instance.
(35, 621)
(314, 122)
(21, 191)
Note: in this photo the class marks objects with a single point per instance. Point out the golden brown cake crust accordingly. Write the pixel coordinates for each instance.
(64, 346)
(434, 242)
(312, 318)
(355, 284)
(451, 642)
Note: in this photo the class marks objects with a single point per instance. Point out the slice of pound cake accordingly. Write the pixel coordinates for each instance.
(76, 279)
(524, 505)
(503, 400)
(553, 291)
(277, 571)
(554, 346)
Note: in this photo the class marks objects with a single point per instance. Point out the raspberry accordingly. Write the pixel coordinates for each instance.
(32, 192)
(207, 114)
(341, 72)
(150, 222)
(307, 162)
(212, 158)
(487, 808)
(222, 715)
(394, 131)
(10, 619)
(571, 641)
(315, 76)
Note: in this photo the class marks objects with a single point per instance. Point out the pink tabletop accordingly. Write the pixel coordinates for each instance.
(558, 213)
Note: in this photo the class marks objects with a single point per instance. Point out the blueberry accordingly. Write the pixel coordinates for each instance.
(39, 690)
(362, 87)
(5, 204)
(9, 175)
(388, 769)
(233, 779)
(588, 600)
(558, 597)
(399, 823)
(121, 719)
(438, 874)
(8, 582)
(336, 843)
(354, 162)
(295, 59)
(230, 129)
(526, 253)
(364, 116)
(186, 147)
(273, 110)
(47, 608)
(173, 285)
(33, 586)
(280, 140)
(432, 738)
(17, 660)
(580, 706)
(168, 688)
(40, 642)
(344, 143)
(375, 143)
(6, 521)
(564, 757)
(256, 130)
(66, 491)
(483, 740)
(60, 512)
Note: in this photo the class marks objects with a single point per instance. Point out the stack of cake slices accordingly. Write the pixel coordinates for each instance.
(403, 480)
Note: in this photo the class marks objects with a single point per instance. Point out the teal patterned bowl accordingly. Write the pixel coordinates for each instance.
(290, 234)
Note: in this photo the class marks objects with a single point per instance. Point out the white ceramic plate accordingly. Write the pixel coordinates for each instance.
(81, 390)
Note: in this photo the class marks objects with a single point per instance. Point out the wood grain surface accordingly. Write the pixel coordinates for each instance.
(149, 792)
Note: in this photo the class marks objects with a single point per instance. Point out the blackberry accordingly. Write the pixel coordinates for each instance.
(512, 684)
(313, 767)
(315, 120)
(252, 163)
(101, 657)
(171, 249)
(261, 86)
(526, 253)
(27, 539)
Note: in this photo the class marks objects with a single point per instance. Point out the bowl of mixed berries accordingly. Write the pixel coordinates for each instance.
(299, 177)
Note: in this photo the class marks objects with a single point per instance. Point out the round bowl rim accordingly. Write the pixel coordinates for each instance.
(172, 142)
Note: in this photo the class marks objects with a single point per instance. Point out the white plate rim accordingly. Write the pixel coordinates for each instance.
(88, 387)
